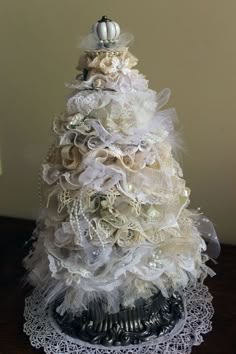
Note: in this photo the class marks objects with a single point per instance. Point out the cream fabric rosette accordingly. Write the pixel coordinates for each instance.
(132, 162)
(105, 228)
(107, 62)
(63, 160)
(128, 238)
(64, 157)
(71, 157)
(68, 156)
(64, 122)
(128, 80)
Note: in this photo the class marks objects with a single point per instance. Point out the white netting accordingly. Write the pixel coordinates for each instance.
(43, 331)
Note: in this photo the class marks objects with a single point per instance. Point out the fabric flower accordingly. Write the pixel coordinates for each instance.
(107, 62)
(71, 157)
(128, 238)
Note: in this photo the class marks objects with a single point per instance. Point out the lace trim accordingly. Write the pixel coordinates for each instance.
(43, 331)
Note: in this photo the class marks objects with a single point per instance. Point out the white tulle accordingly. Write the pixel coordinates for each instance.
(90, 41)
(44, 332)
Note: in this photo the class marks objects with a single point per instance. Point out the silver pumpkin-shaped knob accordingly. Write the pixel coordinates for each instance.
(106, 30)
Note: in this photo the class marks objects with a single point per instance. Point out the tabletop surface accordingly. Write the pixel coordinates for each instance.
(222, 339)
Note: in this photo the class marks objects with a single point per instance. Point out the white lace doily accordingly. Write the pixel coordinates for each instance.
(44, 332)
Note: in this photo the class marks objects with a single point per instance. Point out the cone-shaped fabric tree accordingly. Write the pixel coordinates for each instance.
(115, 227)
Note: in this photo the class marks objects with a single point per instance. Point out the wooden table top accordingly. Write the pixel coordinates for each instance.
(222, 339)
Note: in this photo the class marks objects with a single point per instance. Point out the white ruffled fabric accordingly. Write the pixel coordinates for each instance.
(116, 224)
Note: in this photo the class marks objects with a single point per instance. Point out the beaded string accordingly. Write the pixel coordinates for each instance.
(74, 211)
(74, 218)
(88, 221)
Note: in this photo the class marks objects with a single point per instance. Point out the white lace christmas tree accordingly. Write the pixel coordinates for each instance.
(115, 225)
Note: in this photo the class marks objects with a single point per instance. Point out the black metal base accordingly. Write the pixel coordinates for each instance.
(154, 318)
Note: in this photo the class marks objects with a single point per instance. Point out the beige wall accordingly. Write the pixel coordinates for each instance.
(186, 45)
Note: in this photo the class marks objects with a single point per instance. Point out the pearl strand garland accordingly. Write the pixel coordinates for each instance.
(88, 221)
(75, 210)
